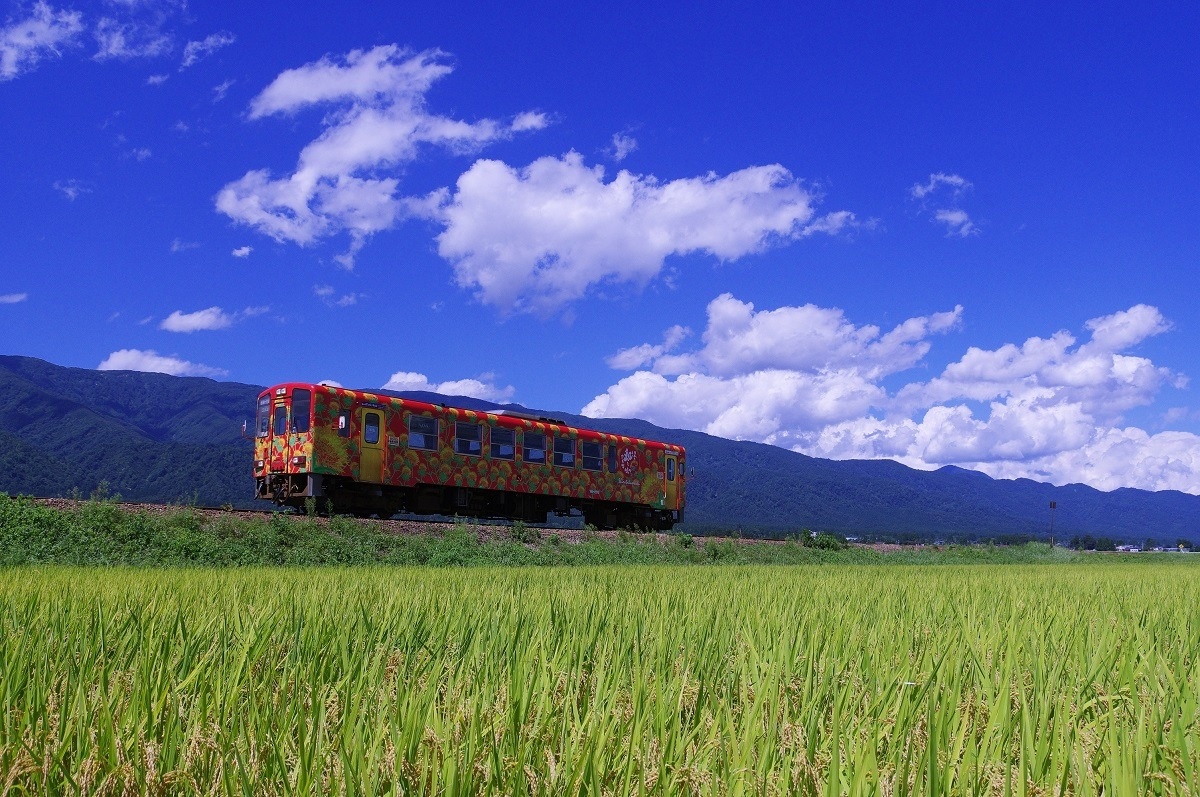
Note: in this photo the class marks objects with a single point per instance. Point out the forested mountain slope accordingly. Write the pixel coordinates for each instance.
(178, 439)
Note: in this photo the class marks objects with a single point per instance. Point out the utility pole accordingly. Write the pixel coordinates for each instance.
(1053, 506)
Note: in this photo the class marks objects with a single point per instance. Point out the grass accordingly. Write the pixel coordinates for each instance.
(665, 680)
(102, 532)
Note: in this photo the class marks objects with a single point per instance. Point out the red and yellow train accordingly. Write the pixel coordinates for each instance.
(373, 452)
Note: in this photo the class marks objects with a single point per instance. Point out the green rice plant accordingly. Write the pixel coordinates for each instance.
(759, 680)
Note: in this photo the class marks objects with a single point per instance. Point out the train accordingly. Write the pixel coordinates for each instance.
(374, 452)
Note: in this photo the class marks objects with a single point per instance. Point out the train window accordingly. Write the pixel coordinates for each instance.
(504, 443)
(301, 409)
(670, 469)
(535, 447)
(371, 428)
(468, 439)
(564, 452)
(281, 419)
(612, 457)
(262, 423)
(422, 432)
(589, 456)
(343, 423)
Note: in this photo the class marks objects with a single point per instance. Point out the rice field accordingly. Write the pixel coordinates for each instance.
(882, 680)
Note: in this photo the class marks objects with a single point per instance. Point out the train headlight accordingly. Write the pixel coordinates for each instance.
(299, 461)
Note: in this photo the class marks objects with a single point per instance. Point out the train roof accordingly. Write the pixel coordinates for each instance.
(432, 401)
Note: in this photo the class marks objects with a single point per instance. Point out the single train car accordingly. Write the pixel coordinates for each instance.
(376, 453)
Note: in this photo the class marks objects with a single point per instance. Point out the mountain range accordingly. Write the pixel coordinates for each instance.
(154, 437)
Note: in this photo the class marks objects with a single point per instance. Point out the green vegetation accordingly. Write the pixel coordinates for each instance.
(648, 680)
(101, 532)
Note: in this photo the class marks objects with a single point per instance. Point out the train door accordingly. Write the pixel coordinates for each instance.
(370, 461)
(672, 483)
(280, 450)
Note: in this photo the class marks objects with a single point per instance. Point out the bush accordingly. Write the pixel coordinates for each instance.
(828, 542)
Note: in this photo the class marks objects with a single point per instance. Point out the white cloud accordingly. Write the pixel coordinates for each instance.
(958, 222)
(948, 189)
(152, 361)
(13, 298)
(808, 379)
(196, 50)
(537, 238)
(211, 318)
(347, 178)
(329, 295)
(125, 39)
(72, 189)
(956, 185)
(157, 80)
(770, 374)
(622, 146)
(481, 388)
(221, 90)
(180, 245)
(44, 34)
(645, 354)
(140, 153)
(242, 251)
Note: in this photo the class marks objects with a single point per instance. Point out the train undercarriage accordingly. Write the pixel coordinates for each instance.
(336, 495)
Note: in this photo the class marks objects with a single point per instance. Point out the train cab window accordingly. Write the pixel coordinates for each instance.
(670, 469)
(564, 452)
(589, 456)
(371, 428)
(281, 419)
(535, 447)
(262, 423)
(468, 439)
(504, 443)
(612, 457)
(301, 409)
(343, 423)
(422, 432)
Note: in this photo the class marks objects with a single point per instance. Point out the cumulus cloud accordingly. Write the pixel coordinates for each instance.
(536, 238)
(768, 375)
(45, 33)
(13, 298)
(196, 50)
(151, 361)
(947, 190)
(808, 379)
(242, 251)
(482, 388)
(376, 120)
(210, 318)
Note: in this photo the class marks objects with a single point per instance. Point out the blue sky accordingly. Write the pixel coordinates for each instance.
(965, 235)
